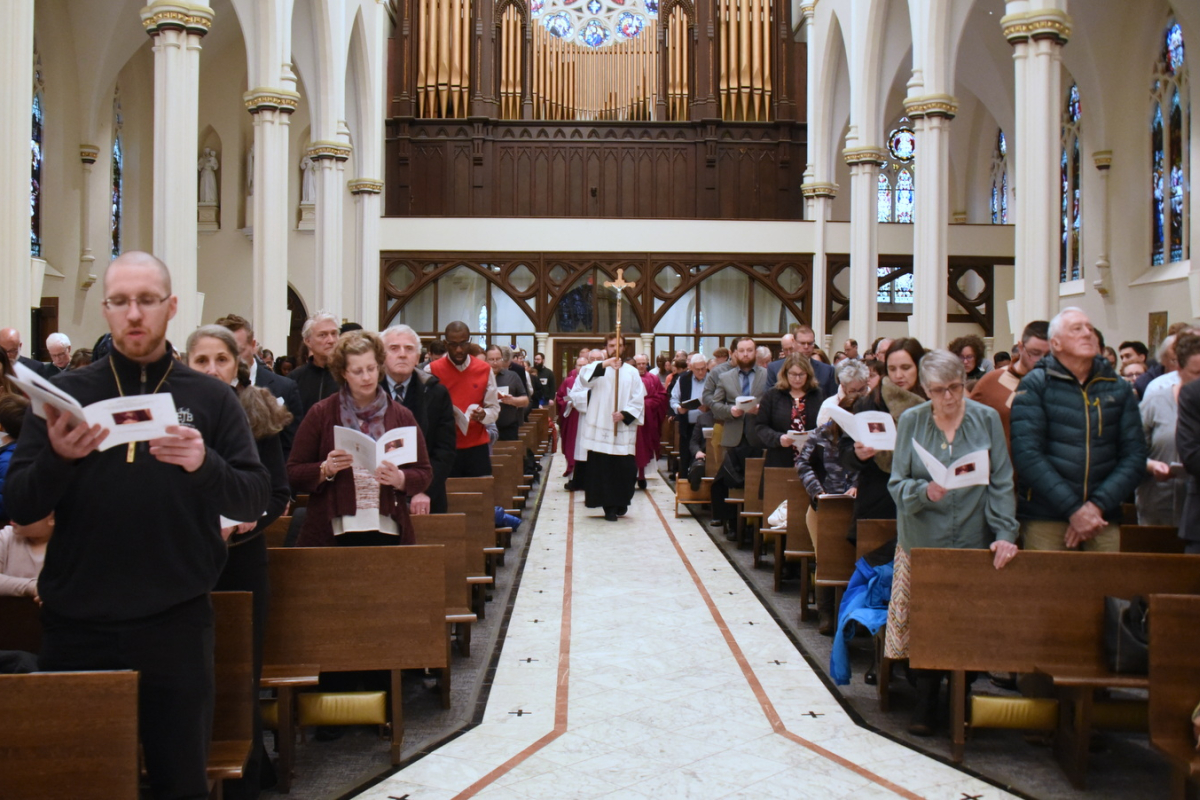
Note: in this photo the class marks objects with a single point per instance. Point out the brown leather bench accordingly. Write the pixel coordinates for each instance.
(1044, 612)
(69, 735)
(1175, 687)
(360, 608)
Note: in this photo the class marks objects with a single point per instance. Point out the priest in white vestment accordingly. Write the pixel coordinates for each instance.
(608, 431)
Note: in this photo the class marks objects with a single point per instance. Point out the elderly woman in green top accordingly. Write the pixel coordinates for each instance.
(949, 427)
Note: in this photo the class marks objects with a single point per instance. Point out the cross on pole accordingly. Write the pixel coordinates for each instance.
(618, 286)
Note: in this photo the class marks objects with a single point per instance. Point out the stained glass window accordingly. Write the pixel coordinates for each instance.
(885, 198)
(35, 179)
(1070, 267)
(999, 198)
(904, 196)
(117, 186)
(1170, 120)
(896, 292)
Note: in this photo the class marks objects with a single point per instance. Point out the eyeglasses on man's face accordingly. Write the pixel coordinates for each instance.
(146, 302)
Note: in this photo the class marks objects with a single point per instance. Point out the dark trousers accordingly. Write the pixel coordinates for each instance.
(173, 654)
(246, 571)
(685, 451)
(472, 462)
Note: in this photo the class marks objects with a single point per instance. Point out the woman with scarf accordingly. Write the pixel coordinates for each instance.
(351, 505)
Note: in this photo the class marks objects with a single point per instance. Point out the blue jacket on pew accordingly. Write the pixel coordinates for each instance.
(866, 601)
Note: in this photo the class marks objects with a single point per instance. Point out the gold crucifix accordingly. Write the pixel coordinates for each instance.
(618, 286)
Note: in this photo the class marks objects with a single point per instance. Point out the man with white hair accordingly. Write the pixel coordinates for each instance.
(429, 401)
(1074, 469)
(59, 348)
(762, 356)
(688, 390)
(320, 334)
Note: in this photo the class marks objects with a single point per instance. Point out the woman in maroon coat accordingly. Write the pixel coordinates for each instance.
(350, 505)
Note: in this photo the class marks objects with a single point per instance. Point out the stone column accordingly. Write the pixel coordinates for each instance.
(176, 28)
(931, 116)
(818, 191)
(541, 341)
(88, 153)
(366, 193)
(864, 239)
(1037, 38)
(271, 110)
(329, 160)
(16, 98)
(645, 346)
(819, 198)
(1103, 281)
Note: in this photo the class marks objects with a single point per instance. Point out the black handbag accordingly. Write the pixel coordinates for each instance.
(1127, 634)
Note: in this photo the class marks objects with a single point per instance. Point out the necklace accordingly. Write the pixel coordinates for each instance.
(120, 391)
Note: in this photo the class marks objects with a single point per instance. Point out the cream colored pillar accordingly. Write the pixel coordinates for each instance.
(329, 160)
(864, 240)
(271, 109)
(931, 117)
(366, 193)
(88, 153)
(16, 98)
(820, 200)
(177, 29)
(1037, 37)
(1103, 281)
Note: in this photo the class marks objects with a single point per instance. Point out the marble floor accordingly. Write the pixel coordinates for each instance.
(638, 664)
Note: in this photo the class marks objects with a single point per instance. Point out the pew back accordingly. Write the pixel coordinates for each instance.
(835, 553)
(481, 526)
(20, 624)
(485, 485)
(233, 652)
(449, 531)
(1174, 670)
(1151, 539)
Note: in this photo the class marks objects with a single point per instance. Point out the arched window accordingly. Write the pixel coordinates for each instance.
(1069, 267)
(36, 156)
(896, 193)
(1000, 180)
(117, 186)
(1170, 119)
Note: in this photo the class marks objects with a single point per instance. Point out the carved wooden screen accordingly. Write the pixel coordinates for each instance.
(443, 58)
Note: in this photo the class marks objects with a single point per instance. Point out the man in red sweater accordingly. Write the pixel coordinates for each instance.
(998, 387)
(472, 387)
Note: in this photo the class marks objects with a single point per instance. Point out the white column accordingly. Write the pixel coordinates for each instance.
(271, 109)
(645, 347)
(541, 342)
(88, 153)
(864, 240)
(176, 29)
(817, 190)
(329, 160)
(820, 201)
(366, 193)
(1103, 281)
(16, 98)
(1037, 38)
(931, 116)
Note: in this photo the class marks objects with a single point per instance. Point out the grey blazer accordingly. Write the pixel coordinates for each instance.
(728, 389)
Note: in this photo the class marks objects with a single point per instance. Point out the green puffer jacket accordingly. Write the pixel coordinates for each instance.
(1073, 443)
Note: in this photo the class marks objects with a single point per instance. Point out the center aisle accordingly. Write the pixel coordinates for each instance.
(638, 664)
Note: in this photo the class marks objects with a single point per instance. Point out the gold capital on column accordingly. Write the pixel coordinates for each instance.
(88, 153)
(170, 15)
(864, 155)
(931, 105)
(1103, 159)
(263, 98)
(1048, 23)
(818, 189)
(324, 149)
(364, 186)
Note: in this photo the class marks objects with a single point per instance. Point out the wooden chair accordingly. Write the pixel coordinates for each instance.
(1151, 539)
(69, 736)
(361, 608)
(481, 526)
(450, 531)
(236, 694)
(1175, 687)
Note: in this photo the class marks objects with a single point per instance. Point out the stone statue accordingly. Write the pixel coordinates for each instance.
(308, 191)
(207, 166)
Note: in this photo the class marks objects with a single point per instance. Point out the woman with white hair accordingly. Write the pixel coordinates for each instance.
(949, 427)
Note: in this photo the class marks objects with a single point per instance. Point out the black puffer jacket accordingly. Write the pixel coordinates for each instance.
(1074, 442)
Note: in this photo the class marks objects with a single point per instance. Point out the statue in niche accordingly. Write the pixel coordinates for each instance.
(308, 184)
(207, 166)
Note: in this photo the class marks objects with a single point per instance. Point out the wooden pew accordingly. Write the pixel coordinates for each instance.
(236, 694)
(1175, 687)
(280, 714)
(1044, 612)
(69, 736)
(873, 534)
(481, 537)
(450, 531)
(277, 531)
(361, 608)
(487, 486)
(20, 625)
(835, 554)
(1151, 539)
(684, 495)
(507, 470)
(799, 545)
(751, 515)
(774, 493)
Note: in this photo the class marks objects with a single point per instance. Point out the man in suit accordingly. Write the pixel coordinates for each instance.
(59, 348)
(284, 389)
(805, 343)
(743, 379)
(10, 343)
(429, 401)
(690, 386)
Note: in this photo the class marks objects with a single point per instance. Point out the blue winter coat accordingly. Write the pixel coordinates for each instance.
(866, 601)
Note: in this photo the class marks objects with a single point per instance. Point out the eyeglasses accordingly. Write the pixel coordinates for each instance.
(943, 391)
(146, 302)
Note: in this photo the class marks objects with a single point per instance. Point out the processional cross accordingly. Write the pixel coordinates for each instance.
(618, 286)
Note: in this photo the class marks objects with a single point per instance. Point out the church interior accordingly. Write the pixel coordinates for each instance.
(865, 168)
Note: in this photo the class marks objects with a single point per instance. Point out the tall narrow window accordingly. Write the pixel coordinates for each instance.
(36, 155)
(885, 198)
(1170, 121)
(896, 193)
(1000, 181)
(117, 186)
(1069, 266)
